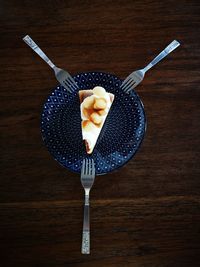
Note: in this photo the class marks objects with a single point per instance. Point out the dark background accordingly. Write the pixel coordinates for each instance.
(147, 214)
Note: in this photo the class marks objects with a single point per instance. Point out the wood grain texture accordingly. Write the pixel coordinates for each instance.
(147, 214)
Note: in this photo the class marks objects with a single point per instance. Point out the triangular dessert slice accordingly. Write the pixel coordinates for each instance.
(95, 106)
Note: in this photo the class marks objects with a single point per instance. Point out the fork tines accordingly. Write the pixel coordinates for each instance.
(88, 167)
(70, 83)
(132, 81)
(128, 84)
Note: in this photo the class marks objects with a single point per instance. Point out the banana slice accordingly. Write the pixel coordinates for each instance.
(99, 91)
(100, 103)
(96, 118)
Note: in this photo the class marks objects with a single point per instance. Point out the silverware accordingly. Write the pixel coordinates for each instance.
(64, 78)
(137, 76)
(87, 180)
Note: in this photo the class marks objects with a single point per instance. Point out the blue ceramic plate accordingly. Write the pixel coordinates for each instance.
(119, 139)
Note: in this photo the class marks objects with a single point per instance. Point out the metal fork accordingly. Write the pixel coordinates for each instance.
(87, 180)
(64, 78)
(137, 76)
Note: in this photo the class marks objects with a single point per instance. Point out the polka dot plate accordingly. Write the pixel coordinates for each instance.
(120, 138)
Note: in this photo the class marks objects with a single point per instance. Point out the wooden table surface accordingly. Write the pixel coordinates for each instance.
(146, 214)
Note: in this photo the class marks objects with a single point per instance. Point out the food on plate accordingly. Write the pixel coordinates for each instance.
(95, 106)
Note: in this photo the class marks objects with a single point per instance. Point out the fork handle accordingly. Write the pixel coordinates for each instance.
(173, 45)
(85, 249)
(27, 39)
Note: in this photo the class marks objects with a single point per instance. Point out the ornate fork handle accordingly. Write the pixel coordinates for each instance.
(86, 243)
(173, 45)
(27, 39)
(86, 227)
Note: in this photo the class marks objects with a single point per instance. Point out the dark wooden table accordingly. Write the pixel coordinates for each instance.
(147, 214)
